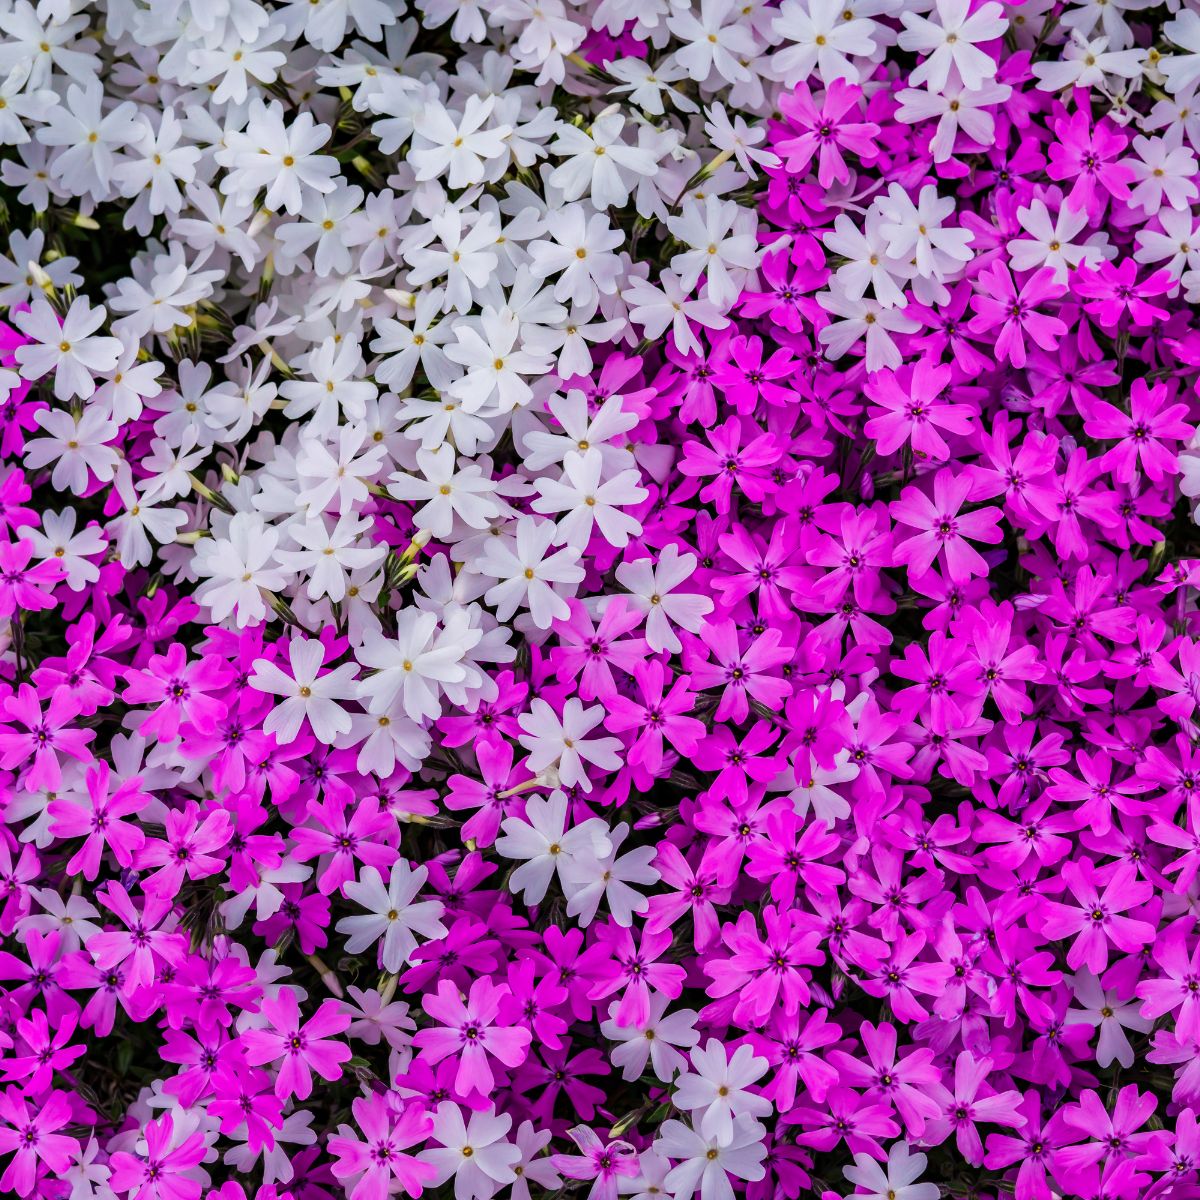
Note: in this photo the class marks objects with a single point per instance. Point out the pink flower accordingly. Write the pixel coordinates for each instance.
(470, 1032)
(29, 1136)
(159, 1175)
(299, 1048)
(377, 1159)
(1142, 432)
(944, 531)
(826, 132)
(997, 302)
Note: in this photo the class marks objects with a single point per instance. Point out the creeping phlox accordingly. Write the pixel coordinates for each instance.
(599, 598)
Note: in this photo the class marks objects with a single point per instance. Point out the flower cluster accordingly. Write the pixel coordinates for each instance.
(599, 598)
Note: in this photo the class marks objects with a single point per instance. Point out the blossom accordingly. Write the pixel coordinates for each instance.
(300, 1048)
(395, 916)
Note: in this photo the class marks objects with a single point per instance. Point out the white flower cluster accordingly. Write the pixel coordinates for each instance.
(399, 260)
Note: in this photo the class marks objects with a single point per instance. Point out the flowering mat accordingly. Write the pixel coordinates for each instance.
(598, 598)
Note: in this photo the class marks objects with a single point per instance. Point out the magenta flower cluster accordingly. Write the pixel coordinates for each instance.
(747, 748)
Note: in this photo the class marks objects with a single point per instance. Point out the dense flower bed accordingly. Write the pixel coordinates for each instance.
(599, 598)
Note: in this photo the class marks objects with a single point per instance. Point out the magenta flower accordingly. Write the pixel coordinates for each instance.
(604, 1163)
(973, 1102)
(659, 717)
(24, 588)
(159, 1174)
(998, 302)
(1113, 1136)
(1141, 432)
(1095, 918)
(915, 410)
(470, 1032)
(46, 736)
(1112, 291)
(181, 690)
(1088, 154)
(634, 969)
(943, 531)
(187, 851)
(825, 131)
(377, 1161)
(100, 822)
(143, 945)
(299, 1048)
(29, 1136)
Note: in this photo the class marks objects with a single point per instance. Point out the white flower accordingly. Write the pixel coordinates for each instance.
(669, 304)
(528, 576)
(337, 472)
(384, 738)
(466, 258)
(77, 447)
(859, 319)
(42, 43)
(326, 222)
(374, 1018)
(412, 667)
(394, 914)
(477, 1156)
(1182, 71)
(544, 844)
(496, 367)
(814, 790)
(139, 517)
(1163, 172)
(1086, 64)
(816, 36)
(715, 40)
(715, 1090)
(17, 282)
(70, 349)
(58, 540)
(328, 554)
(159, 303)
(915, 231)
(652, 591)
(868, 263)
(279, 157)
(335, 387)
(533, 1165)
(237, 61)
(592, 878)
(586, 500)
(407, 344)
(722, 248)
(72, 918)
(581, 255)
(91, 139)
(600, 164)
(705, 1164)
(307, 694)
(1105, 1011)
(1050, 242)
(237, 567)
(648, 82)
(158, 164)
(1175, 242)
(951, 41)
(457, 146)
(581, 432)
(895, 1182)
(956, 107)
(739, 139)
(655, 1040)
(448, 491)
